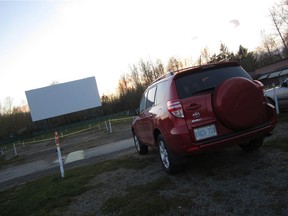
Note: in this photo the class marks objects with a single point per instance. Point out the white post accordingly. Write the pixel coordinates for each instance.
(276, 99)
(59, 154)
(23, 144)
(106, 126)
(110, 127)
(15, 150)
(2, 152)
(99, 127)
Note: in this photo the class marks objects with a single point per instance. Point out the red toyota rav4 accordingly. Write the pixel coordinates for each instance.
(200, 108)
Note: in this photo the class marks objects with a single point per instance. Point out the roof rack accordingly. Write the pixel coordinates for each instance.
(164, 76)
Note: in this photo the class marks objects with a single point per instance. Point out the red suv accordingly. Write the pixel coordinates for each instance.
(200, 108)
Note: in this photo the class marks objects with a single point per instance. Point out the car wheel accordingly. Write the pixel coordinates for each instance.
(166, 157)
(253, 145)
(141, 149)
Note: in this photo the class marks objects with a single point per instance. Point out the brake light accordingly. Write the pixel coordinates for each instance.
(175, 108)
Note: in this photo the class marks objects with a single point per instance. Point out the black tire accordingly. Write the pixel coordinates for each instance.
(141, 148)
(253, 145)
(168, 159)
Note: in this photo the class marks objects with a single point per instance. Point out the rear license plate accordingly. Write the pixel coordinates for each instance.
(205, 132)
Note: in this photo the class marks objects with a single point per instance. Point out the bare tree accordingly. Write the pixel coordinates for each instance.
(123, 85)
(158, 69)
(279, 17)
(135, 76)
(8, 105)
(268, 52)
(268, 43)
(174, 64)
(204, 57)
(146, 69)
(277, 24)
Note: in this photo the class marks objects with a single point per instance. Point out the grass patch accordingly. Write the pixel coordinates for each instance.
(41, 196)
(12, 161)
(46, 194)
(145, 199)
(281, 144)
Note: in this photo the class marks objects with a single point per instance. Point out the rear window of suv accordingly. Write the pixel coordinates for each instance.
(191, 83)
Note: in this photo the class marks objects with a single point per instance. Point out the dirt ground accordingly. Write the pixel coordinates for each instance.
(85, 140)
(223, 182)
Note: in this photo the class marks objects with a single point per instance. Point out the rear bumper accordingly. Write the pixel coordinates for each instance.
(237, 138)
(182, 145)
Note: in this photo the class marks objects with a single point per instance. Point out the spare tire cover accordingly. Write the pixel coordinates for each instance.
(238, 103)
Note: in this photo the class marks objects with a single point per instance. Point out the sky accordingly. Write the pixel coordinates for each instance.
(42, 42)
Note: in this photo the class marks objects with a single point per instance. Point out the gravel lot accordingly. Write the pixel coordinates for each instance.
(223, 182)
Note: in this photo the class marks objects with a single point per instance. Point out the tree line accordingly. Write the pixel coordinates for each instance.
(131, 85)
(274, 47)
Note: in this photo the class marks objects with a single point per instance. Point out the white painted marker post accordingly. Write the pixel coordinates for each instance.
(276, 99)
(110, 127)
(15, 150)
(59, 154)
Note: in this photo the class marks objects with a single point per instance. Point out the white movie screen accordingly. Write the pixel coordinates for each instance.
(60, 99)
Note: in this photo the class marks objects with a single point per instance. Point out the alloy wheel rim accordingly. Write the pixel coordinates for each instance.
(137, 144)
(164, 155)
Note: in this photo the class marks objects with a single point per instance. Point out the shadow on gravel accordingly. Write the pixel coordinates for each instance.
(222, 182)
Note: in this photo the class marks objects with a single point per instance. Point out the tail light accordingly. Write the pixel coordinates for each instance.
(175, 108)
(260, 84)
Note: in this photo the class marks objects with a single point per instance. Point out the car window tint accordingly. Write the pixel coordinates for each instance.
(150, 97)
(161, 88)
(193, 83)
